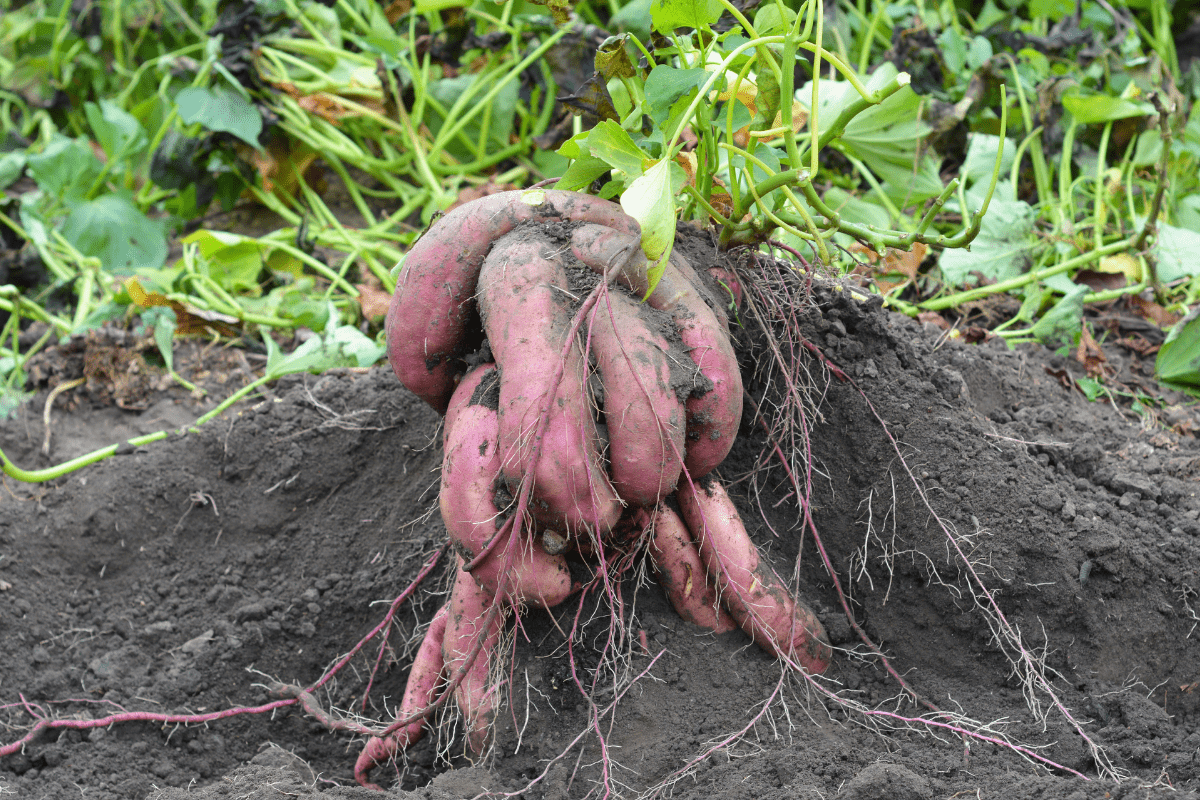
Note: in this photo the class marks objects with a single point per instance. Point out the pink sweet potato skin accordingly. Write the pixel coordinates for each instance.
(419, 693)
(646, 421)
(432, 321)
(755, 596)
(525, 307)
(467, 622)
(714, 416)
(470, 467)
(681, 573)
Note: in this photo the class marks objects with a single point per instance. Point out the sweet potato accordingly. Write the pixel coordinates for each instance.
(645, 418)
(432, 321)
(681, 572)
(525, 305)
(469, 607)
(470, 467)
(419, 693)
(713, 415)
(755, 596)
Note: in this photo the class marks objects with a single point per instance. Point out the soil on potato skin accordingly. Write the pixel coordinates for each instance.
(186, 575)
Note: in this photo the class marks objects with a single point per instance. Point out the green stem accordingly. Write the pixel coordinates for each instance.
(951, 300)
(67, 467)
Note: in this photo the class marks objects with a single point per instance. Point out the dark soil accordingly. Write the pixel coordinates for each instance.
(186, 576)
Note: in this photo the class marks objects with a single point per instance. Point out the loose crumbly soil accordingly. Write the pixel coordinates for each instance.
(185, 576)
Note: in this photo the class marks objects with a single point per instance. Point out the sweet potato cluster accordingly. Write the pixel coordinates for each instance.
(526, 318)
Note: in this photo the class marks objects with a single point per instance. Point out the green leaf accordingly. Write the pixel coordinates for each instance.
(1178, 359)
(981, 158)
(887, 138)
(344, 346)
(612, 144)
(164, 322)
(769, 156)
(978, 52)
(233, 261)
(11, 399)
(221, 109)
(953, 49)
(305, 312)
(1092, 389)
(667, 15)
(1176, 251)
(112, 229)
(634, 17)
(119, 134)
(500, 124)
(1000, 251)
(1035, 298)
(769, 21)
(582, 173)
(666, 84)
(11, 167)
(1055, 10)
(1062, 324)
(66, 168)
(1089, 110)
(651, 202)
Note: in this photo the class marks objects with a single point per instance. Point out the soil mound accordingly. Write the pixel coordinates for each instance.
(189, 576)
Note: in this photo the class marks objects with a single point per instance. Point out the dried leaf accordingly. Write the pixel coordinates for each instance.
(592, 101)
(933, 318)
(722, 202)
(397, 9)
(373, 301)
(612, 59)
(1100, 281)
(188, 319)
(897, 268)
(1136, 343)
(974, 334)
(1062, 376)
(687, 160)
(1153, 311)
(1090, 355)
(281, 164)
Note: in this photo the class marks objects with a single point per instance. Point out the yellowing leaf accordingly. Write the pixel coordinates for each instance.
(1122, 263)
(649, 200)
(534, 197)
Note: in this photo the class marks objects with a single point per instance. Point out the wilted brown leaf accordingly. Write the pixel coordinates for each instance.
(722, 202)
(1090, 355)
(974, 334)
(897, 268)
(281, 164)
(373, 301)
(397, 9)
(1100, 281)
(188, 320)
(1152, 311)
(592, 101)
(687, 160)
(1136, 343)
(933, 318)
(1062, 376)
